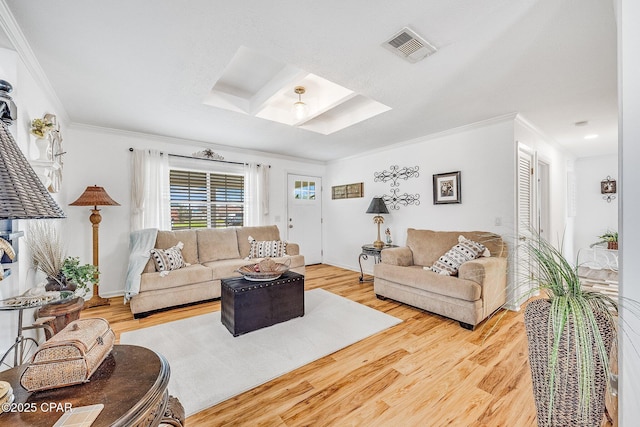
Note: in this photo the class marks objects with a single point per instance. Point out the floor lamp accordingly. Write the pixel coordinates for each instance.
(95, 196)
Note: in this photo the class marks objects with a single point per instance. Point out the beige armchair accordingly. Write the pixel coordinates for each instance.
(478, 290)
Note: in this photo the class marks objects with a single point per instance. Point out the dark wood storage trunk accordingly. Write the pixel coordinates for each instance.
(247, 305)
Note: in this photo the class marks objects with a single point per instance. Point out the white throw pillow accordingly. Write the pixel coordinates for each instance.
(267, 248)
(168, 259)
(465, 250)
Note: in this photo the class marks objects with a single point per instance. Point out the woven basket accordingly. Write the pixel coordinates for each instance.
(565, 411)
(71, 356)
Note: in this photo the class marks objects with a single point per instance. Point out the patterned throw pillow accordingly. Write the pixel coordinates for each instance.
(267, 248)
(168, 259)
(465, 250)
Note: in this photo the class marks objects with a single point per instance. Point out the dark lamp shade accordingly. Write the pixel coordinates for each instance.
(22, 195)
(377, 206)
(94, 196)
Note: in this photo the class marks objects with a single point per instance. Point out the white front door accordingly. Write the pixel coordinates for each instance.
(304, 219)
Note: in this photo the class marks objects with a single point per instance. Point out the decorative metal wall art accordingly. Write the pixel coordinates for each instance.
(208, 154)
(395, 200)
(608, 187)
(395, 173)
(348, 191)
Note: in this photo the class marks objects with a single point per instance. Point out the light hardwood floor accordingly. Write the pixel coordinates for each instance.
(426, 371)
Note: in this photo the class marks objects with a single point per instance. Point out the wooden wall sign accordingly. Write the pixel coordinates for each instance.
(348, 191)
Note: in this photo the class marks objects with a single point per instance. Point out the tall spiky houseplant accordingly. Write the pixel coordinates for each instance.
(570, 335)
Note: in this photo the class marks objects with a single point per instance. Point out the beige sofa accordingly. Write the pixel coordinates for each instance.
(478, 290)
(214, 254)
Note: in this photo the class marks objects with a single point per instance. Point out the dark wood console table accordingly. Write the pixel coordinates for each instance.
(131, 383)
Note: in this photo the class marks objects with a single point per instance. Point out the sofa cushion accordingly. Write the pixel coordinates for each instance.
(217, 243)
(465, 250)
(267, 248)
(167, 239)
(426, 280)
(227, 267)
(224, 268)
(265, 232)
(185, 276)
(168, 259)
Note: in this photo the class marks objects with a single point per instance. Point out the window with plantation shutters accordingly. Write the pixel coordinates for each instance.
(206, 199)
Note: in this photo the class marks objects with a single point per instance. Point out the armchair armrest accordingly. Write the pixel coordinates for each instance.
(401, 256)
(293, 248)
(491, 274)
(481, 269)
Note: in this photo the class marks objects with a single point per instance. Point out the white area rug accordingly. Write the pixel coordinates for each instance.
(209, 365)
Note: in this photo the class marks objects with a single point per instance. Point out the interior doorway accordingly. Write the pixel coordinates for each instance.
(304, 215)
(543, 200)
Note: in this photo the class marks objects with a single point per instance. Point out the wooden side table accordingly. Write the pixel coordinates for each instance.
(64, 314)
(131, 383)
(370, 250)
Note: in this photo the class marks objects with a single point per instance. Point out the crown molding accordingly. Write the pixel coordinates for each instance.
(542, 135)
(26, 55)
(429, 137)
(182, 141)
(533, 128)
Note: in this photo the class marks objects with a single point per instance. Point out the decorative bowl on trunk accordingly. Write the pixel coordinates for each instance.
(265, 270)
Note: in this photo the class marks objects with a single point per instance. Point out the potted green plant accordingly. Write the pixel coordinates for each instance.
(610, 238)
(82, 275)
(570, 333)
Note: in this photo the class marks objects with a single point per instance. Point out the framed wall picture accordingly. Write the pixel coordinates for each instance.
(446, 188)
(355, 190)
(347, 191)
(339, 192)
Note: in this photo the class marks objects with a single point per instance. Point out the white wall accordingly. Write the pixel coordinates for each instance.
(101, 157)
(482, 153)
(628, 12)
(594, 215)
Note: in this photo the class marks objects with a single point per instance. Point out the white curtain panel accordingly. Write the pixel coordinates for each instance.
(150, 207)
(137, 190)
(251, 206)
(256, 194)
(263, 189)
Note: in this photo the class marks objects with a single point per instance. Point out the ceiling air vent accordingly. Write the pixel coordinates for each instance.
(409, 45)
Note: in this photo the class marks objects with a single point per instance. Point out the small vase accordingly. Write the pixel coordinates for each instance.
(42, 145)
(612, 245)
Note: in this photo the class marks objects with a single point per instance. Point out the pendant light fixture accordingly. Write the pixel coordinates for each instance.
(300, 109)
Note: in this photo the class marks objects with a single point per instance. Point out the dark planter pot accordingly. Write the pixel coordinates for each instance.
(59, 283)
(612, 245)
(565, 411)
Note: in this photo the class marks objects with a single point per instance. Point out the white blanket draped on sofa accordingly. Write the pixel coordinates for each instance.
(140, 244)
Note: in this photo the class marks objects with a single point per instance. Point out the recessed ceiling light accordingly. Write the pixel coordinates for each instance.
(592, 136)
